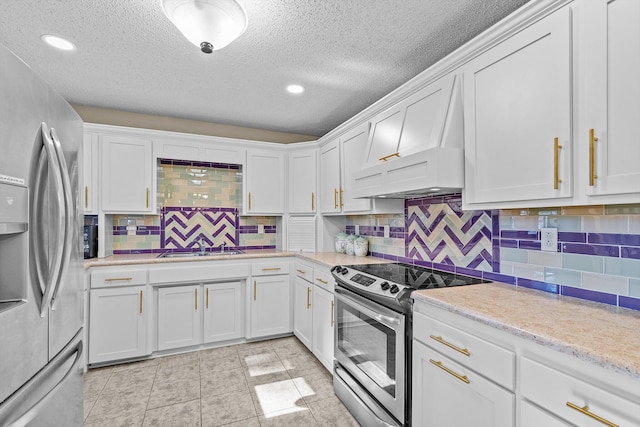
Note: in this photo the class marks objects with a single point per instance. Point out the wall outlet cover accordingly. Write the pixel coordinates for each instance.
(549, 239)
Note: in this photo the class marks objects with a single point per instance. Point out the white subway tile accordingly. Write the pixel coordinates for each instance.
(605, 283)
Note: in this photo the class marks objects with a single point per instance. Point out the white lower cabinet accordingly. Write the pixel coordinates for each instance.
(303, 310)
(323, 320)
(532, 416)
(179, 317)
(270, 309)
(446, 393)
(118, 323)
(222, 311)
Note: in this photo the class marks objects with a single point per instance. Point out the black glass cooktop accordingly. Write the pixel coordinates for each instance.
(414, 276)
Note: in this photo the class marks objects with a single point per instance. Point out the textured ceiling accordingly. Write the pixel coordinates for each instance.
(347, 54)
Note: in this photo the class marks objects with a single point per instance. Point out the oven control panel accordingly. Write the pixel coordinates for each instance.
(366, 283)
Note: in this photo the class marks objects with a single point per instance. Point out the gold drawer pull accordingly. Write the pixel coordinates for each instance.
(86, 197)
(385, 158)
(439, 364)
(147, 197)
(308, 298)
(341, 204)
(254, 290)
(556, 153)
(592, 158)
(585, 410)
(271, 269)
(140, 302)
(118, 279)
(301, 271)
(335, 198)
(313, 201)
(196, 305)
(448, 344)
(249, 200)
(324, 282)
(206, 303)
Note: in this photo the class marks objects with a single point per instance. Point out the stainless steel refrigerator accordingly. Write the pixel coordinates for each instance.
(41, 276)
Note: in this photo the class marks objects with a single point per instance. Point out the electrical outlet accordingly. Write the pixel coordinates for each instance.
(549, 239)
(131, 230)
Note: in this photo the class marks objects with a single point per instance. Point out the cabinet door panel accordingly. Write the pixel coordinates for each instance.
(612, 64)
(385, 135)
(179, 317)
(270, 306)
(532, 416)
(330, 177)
(222, 311)
(90, 173)
(517, 101)
(353, 145)
(323, 324)
(302, 181)
(265, 182)
(484, 403)
(303, 306)
(117, 323)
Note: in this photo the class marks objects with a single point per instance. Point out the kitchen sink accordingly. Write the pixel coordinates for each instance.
(197, 254)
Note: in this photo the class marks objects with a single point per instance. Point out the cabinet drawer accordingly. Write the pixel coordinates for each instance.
(555, 391)
(304, 271)
(118, 277)
(484, 357)
(323, 279)
(269, 268)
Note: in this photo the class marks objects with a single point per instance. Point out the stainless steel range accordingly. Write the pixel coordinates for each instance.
(373, 337)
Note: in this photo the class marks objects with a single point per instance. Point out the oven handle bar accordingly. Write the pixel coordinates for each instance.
(367, 307)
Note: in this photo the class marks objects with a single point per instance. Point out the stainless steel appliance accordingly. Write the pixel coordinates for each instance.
(41, 278)
(373, 333)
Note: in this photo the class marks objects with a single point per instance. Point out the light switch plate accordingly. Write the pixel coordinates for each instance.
(549, 239)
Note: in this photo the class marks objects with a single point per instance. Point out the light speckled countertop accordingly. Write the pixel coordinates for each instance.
(327, 258)
(606, 335)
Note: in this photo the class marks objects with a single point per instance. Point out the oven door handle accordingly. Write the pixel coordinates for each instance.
(363, 305)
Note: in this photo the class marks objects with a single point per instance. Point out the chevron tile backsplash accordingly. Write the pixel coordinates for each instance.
(182, 228)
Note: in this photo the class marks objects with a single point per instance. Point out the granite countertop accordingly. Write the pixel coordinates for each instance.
(606, 335)
(327, 258)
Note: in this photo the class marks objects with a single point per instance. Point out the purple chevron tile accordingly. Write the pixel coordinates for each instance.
(193, 230)
(590, 295)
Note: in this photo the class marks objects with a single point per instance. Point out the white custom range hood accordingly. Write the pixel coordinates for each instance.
(415, 148)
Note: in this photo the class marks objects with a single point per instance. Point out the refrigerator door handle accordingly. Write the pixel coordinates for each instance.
(68, 217)
(56, 262)
(11, 405)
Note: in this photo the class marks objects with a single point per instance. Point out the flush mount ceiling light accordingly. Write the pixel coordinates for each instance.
(57, 42)
(208, 24)
(295, 89)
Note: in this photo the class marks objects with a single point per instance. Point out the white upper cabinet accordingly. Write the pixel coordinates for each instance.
(340, 159)
(265, 185)
(517, 117)
(127, 174)
(190, 147)
(303, 181)
(609, 61)
(90, 166)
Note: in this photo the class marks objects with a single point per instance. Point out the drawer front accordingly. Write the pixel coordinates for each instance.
(323, 279)
(198, 273)
(269, 268)
(486, 358)
(118, 277)
(304, 271)
(556, 391)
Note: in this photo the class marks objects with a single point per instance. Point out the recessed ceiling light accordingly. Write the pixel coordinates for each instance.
(295, 89)
(57, 42)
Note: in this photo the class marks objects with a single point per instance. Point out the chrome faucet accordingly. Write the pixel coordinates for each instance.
(202, 246)
(222, 246)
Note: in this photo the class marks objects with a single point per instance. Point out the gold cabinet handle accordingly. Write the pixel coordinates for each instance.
(332, 311)
(86, 197)
(254, 290)
(335, 198)
(341, 204)
(249, 196)
(140, 302)
(592, 158)
(147, 197)
(448, 344)
(118, 279)
(196, 305)
(313, 201)
(439, 364)
(301, 271)
(271, 269)
(556, 153)
(308, 298)
(585, 410)
(324, 282)
(206, 299)
(385, 158)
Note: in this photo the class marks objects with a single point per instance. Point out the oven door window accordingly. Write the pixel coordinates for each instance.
(369, 345)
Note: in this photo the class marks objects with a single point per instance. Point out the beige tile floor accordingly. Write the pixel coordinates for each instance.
(268, 383)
